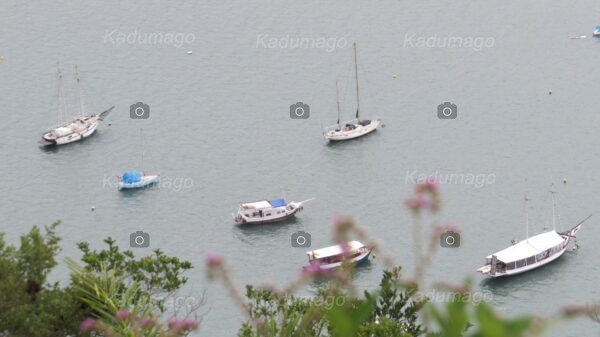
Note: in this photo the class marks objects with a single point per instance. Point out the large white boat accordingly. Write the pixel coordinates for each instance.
(531, 253)
(77, 128)
(353, 128)
(332, 257)
(267, 211)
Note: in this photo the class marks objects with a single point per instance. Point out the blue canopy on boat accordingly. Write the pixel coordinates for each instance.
(132, 177)
(598, 27)
(278, 202)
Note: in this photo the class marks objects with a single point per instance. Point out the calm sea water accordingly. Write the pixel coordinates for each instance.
(220, 132)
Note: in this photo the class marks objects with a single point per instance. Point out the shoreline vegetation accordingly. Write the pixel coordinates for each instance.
(113, 293)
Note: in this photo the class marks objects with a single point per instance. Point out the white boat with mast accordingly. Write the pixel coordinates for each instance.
(531, 253)
(353, 128)
(77, 128)
(353, 252)
(267, 211)
(138, 179)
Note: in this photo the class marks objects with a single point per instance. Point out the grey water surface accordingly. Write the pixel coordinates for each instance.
(220, 132)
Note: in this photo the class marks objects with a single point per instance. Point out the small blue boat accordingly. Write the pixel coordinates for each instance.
(597, 31)
(137, 179)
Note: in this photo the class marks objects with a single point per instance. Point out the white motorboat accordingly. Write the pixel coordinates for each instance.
(353, 128)
(267, 211)
(77, 128)
(596, 31)
(531, 253)
(353, 252)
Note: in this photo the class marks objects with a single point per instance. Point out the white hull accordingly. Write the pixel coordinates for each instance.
(73, 131)
(337, 133)
(268, 215)
(541, 257)
(356, 260)
(533, 266)
(596, 32)
(146, 181)
(77, 136)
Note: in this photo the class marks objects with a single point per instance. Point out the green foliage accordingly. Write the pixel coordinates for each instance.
(28, 305)
(156, 273)
(459, 318)
(387, 312)
(395, 312)
(108, 280)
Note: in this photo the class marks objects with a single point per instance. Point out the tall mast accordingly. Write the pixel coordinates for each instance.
(526, 218)
(356, 79)
(552, 192)
(337, 96)
(79, 90)
(143, 148)
(62, 105)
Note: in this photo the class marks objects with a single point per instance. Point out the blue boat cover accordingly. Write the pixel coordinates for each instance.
(278, 202)
(132, 177)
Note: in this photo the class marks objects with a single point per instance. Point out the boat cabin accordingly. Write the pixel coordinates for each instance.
(337, 253)
(527, 253)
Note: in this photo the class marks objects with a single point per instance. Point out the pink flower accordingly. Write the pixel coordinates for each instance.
(213, 260)
(146, 321)
(189, 324)
(183, 324)
(87, 324)
(419, 201)
(122, 314)
(431, 184)
(451, 228)
(314, 269)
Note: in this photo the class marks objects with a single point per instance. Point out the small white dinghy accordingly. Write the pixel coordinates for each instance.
(332, 257)
(267, 211)
(353, 128)
(77, 128)
(531, 253)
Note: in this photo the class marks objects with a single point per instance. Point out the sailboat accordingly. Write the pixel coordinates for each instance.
(353, 128)
(79, 127)
(136, 178)
(531, 253)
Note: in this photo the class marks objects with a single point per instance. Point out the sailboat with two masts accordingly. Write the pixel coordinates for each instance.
(353, 128)
(531, 253)
(77, 128)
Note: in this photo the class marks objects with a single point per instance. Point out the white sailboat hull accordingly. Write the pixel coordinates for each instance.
(341, 134)
(77, 136)
(146, 181)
